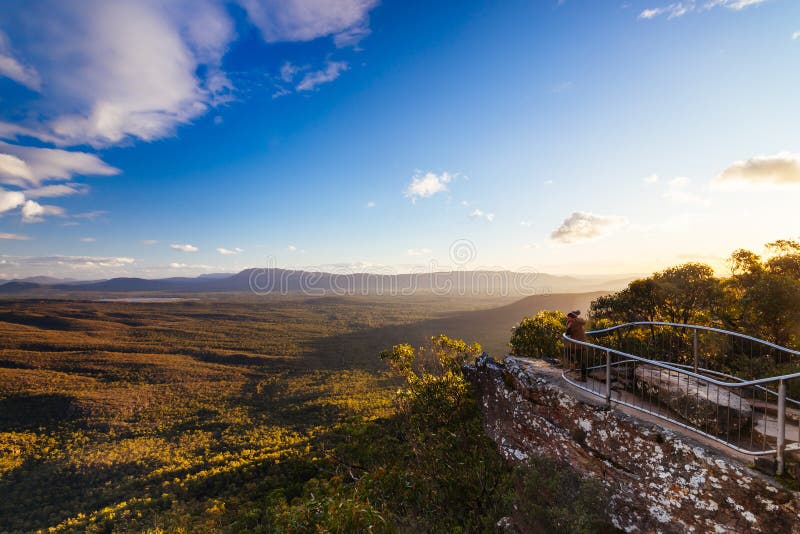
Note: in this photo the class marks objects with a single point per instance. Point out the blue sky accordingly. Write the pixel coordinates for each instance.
(175, 138)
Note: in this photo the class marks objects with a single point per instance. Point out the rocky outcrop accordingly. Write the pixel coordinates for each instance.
(713, 409)
(659, 481)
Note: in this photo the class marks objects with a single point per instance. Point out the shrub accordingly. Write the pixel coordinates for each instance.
(552, 497)
(539, 336)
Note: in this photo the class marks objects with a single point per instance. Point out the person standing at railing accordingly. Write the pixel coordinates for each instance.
(576, 329)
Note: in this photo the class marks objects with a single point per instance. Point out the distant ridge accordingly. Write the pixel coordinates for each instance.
(275, 280)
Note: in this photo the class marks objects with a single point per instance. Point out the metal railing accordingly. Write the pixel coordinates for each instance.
(732, 388)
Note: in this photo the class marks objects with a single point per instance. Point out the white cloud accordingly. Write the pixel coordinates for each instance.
(526, 224)
(427, 185)
(351, 37)
(371, 204)
(288, 70)
(781, 169)
(548, 182)
(33, 212)
(127, 69)
(30, 166)
(291, 248)
(582, 226)
(733, 4)
(184, 248)
(305, 20)
(13, 237)
(418, 251)
(331, 71)
(14, 170)
(88, 239)
(11, 68)
(679, 9)
(479, 214)
(229, 251)
(796, 36)
(650, 13)
(55, 190)
(136, 70)
(10, 200)
(149, 241)
(652, 179)
(73, 261)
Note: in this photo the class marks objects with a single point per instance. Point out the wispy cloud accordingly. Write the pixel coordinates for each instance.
(90, 215)
(301, 20)
(424, 185)
(88, 239)
(184, 266)
(78, 262)
(11, 68)
(291, 248)
(331, 71)
(55, 190)
(796, 36)
(288, 70)
(13, 237)
(149, 241)
(371, 204)
(679, 9)
(480, 214)
(229, 251)
(651, 179)
(184, 248)
(582, 226)
(30, 166)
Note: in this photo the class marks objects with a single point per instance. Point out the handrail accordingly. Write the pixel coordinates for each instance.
(708, 377)
(694, 327)
(684, 371)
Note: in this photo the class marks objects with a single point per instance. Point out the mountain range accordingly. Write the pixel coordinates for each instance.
(275, 280)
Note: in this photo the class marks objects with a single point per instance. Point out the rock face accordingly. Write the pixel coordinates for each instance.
(659, 482)
(710, 408)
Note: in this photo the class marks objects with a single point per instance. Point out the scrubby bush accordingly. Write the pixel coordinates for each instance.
(539, 336)
(552, 497)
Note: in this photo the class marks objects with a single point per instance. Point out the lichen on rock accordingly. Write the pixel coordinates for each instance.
(659, 481)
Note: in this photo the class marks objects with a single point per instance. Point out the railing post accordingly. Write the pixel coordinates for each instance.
(608, 378)
(695, 349)
(781, 425)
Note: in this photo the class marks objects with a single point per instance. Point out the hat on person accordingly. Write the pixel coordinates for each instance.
(574, 314)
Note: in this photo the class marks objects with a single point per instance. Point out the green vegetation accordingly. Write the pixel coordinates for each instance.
(539, 336)
(761, 297)
(233, 413)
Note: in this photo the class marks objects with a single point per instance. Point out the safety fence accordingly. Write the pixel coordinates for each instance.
(735, 389)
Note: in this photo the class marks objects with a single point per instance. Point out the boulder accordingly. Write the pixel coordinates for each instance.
(716, 410)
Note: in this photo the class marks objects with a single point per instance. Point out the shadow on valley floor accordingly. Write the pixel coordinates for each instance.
(491, 328)
(44, 410)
